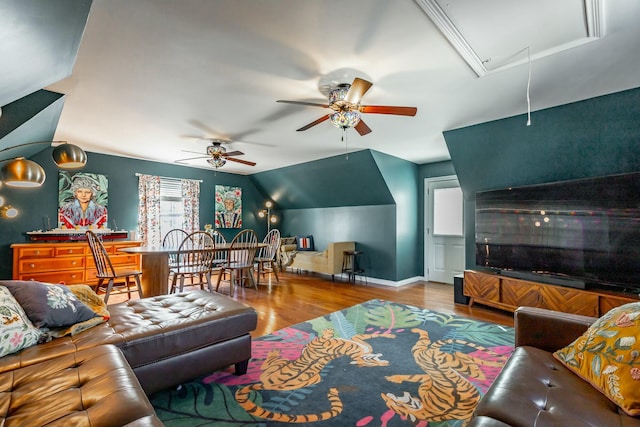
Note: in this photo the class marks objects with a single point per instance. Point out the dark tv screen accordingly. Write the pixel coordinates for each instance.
(586, 231)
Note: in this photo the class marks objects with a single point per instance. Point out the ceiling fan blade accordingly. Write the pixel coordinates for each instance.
(387, 109)
(312, 124)
(244, 162)
(312, 104)
(357, 90)
(362, 128)
(192, 158)
(232, 153)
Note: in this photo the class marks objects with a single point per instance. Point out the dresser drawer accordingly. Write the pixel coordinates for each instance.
(66, 277)
(36, 252)
(50, 264)
(69, 250)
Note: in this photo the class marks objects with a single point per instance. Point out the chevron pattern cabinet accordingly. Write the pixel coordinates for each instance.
(508, 294)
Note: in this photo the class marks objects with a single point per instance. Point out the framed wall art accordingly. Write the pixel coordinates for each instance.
(228, 207)
(82, 200)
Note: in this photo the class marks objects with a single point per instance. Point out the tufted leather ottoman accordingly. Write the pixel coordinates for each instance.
(93, 387)
(170, 339)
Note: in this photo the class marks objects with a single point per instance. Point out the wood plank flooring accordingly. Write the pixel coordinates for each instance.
(298, 297)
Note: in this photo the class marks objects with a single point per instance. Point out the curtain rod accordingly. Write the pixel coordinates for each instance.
(168, 177)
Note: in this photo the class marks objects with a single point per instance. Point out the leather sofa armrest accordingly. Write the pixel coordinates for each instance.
(547, 329)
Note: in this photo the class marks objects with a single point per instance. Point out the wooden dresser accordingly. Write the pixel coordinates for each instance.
(66, 262)
(508, 294)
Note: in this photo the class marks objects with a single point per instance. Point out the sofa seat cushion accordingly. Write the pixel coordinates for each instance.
(161, 327)
(535, 388)
(94, 387)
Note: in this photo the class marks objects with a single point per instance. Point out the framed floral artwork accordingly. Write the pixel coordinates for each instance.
(228, 207)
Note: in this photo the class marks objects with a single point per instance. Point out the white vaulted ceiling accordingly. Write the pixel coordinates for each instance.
(149, 73)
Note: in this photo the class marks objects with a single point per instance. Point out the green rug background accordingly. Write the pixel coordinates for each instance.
(210, 401)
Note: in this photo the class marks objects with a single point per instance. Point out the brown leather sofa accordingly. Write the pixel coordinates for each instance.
(100, 377)
(534, 389)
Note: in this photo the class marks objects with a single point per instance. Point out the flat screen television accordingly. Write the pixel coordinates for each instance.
(583, 233)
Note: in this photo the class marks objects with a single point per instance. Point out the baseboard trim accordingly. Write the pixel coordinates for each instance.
(398, 284)
(360, 280)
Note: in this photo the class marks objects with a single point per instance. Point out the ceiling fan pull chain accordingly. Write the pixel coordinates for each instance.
(346, 143)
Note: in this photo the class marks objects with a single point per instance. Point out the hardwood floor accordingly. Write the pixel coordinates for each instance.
(300, 297)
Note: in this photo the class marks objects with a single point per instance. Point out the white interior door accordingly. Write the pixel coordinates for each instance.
(444, 229)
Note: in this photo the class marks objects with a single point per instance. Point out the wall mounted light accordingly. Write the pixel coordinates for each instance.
(8, 212)
(266, 213)
(21, 172)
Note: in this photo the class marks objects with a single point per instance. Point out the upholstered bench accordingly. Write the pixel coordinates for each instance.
(93, 387)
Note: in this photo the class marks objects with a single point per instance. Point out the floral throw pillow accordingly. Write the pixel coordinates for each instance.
(16, 330)
(48, 305)
(607, 355)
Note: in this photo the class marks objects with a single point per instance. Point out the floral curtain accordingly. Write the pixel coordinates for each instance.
(190, 204)
(149, 210)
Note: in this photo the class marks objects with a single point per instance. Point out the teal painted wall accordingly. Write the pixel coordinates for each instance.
(595, 137)
(401, 177)
(369, 197)
(371, 227)
(36, 204)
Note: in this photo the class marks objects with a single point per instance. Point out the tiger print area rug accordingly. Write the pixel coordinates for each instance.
(379, 363)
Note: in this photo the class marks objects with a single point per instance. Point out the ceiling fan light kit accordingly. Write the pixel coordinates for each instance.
(217, 155)
(344, 100)
(217, 162)
(345, 119)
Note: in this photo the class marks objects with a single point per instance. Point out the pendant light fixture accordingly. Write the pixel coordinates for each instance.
(21, 172)
(69, 156)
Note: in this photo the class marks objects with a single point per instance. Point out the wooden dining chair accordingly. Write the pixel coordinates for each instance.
(240, 260)
(194, 260)
(173, 239)
(220, 256)
(106, 272)
(266, 258)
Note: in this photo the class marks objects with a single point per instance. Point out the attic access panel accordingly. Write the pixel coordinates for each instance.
(495, 34)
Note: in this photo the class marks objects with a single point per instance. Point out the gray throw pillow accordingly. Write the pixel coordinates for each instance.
(48, 305)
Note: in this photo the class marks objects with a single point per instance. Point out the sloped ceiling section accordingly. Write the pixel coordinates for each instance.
(33, 118)
(352, 180)
(40, 41)
(595, 137)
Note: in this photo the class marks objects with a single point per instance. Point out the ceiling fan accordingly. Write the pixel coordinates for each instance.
(344, 100)
(217, 155)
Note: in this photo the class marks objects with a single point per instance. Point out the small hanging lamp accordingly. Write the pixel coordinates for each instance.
(21, 172)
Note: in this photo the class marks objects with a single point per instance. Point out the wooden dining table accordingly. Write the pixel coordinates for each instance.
(155, 266)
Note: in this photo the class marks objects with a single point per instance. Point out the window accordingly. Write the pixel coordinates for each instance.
(171, 205)
(447, 212)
